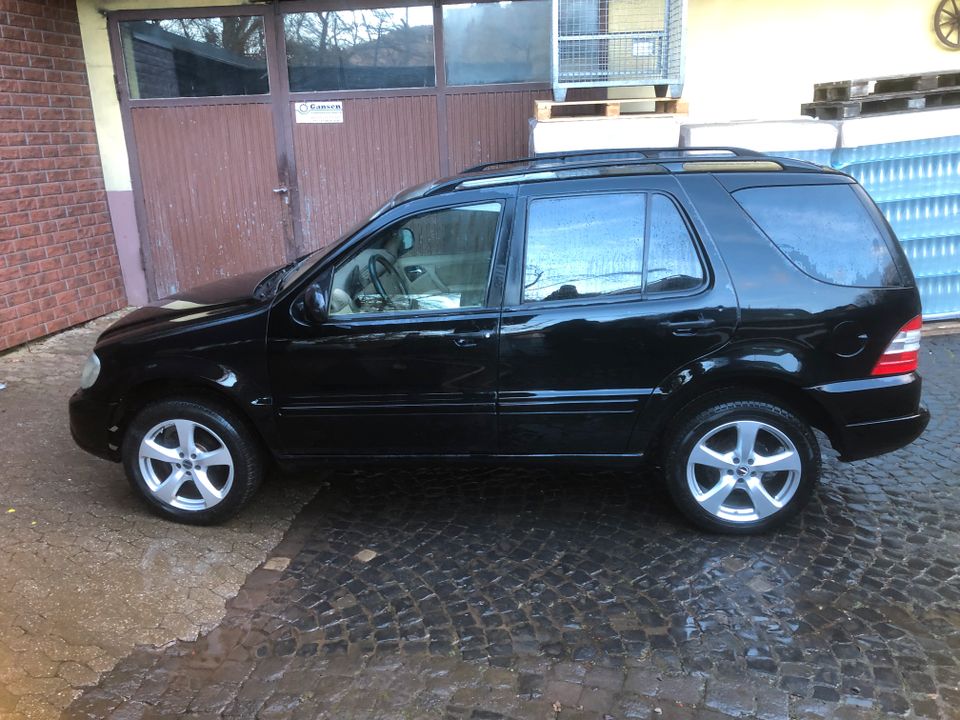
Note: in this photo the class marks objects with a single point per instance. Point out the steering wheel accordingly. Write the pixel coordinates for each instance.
(391, 269)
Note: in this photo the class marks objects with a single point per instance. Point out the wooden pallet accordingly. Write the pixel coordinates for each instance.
(883, 103)
(546, 110)
(853, 89)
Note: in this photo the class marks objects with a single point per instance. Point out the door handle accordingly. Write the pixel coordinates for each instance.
(687, 327)
(469, 340)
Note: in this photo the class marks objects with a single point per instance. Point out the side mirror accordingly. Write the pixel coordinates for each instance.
(316, 304)
(406, 240)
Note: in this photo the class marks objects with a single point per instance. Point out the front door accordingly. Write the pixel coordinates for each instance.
(406, 362)
(610, 289)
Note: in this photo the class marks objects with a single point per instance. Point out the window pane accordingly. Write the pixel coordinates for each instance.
(195, 57)
(360, 49)
(825, 230)
(584, 246)
(672, 262)
(434, 261)
(505, 42)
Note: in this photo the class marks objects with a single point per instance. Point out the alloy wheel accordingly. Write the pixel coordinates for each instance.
(186, 465)
(743, 471)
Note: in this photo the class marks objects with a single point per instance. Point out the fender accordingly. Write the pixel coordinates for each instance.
(215, 356)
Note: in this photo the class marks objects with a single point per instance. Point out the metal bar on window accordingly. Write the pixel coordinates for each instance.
(440, 78)
(641, 34)
(201, 100)
(185, 13)
(298, 6)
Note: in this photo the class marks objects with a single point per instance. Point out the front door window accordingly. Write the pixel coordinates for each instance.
(437, 260)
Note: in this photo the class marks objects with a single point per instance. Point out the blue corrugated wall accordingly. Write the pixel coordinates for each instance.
(917, 185)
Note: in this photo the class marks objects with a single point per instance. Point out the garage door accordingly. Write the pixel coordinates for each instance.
(257, 134)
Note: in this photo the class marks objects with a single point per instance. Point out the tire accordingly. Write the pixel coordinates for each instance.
(721, 492)
(221, 477)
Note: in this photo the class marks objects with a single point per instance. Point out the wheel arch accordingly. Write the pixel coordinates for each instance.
(194, 388)
(709, 389)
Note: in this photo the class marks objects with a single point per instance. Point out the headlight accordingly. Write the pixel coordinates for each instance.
(91, 371)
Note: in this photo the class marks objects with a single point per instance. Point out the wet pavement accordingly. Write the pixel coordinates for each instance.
(451, 593)
(86, 573)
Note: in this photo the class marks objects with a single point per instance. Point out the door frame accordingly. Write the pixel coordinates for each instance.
(280, 98)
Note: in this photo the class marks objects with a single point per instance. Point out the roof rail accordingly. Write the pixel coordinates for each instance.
(617, 154)
(704, 160)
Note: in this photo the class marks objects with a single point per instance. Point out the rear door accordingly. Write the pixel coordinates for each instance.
(610, 288)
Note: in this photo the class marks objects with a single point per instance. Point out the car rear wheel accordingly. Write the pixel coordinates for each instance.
(742, 466)
(192, 462)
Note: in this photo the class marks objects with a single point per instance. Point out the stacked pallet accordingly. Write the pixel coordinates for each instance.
(547, 110)
(898, 93)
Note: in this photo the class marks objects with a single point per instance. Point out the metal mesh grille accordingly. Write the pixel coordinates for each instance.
(617, 42)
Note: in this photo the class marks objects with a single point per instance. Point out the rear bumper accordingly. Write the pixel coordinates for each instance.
(90, 420)
(873, 416)
(865, 440)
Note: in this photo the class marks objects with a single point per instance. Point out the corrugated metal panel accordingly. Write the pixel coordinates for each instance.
(487, 126)
(208, 175)
(917, 186)
(346, 170)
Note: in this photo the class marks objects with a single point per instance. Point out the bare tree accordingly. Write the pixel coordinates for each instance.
(241, 35)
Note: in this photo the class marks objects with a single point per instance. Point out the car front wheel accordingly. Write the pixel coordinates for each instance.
(192, 462)
(742, 466)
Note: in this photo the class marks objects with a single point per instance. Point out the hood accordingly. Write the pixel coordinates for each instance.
(205, 302)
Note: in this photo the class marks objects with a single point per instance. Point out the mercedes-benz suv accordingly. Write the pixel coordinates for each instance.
(705, 309)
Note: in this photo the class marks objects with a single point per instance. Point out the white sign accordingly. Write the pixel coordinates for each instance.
(319, 111)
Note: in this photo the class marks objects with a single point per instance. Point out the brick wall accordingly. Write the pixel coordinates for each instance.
(58, 260)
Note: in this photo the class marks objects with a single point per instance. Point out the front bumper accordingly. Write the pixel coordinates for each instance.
(873, 416)
(90, 423)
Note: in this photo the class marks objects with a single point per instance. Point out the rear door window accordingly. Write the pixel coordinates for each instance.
(824, 230)
(583, 246)
(672, 261)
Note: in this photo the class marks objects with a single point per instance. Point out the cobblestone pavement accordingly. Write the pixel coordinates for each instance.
(86, 574)
(451, 593)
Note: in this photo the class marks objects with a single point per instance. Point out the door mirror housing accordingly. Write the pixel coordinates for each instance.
(316, 302)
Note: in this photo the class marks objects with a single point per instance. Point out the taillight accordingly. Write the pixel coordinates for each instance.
(903, 353)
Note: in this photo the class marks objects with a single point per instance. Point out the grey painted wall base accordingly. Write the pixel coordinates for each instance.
(124, 218)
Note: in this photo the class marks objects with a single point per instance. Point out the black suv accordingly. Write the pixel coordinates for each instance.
(706, 308)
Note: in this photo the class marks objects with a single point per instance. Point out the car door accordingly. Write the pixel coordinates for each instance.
(610, 288)
(400, 366)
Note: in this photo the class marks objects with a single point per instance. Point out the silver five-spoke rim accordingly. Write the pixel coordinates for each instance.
(186, 465)
(744, 471)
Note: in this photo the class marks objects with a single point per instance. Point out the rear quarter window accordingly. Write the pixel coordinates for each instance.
(824, 230)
